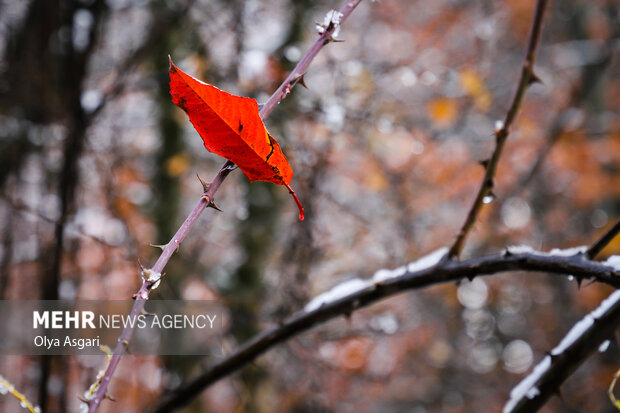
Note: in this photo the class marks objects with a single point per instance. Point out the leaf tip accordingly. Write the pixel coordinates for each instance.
(172, 66)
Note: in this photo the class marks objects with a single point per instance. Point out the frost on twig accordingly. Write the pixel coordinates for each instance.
(8, 387)
(151, 277)
(330, 22)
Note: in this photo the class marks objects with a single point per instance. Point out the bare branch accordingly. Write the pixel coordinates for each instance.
(445, 271)
(207, 200)
(486, 187)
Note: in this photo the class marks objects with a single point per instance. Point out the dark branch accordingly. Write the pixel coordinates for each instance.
(445, 271)
(486, 187)
(603, 241)
(545, 380)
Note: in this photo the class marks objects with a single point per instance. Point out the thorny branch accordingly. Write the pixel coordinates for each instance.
(541, 384)
(547, 382)
(152, 276)
(445, 271)
(486, 187)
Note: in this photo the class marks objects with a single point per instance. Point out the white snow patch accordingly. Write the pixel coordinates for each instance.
(525, 387)
(577, 331)
(556, 252)
(580, 327)
(427, 261)
(533, 392)
(604, 346)
(341, 290)
(613, 262)
(606, 304)
(331, 18)
(420, 264)
(568, 252)
(384, 274)
(521, 249)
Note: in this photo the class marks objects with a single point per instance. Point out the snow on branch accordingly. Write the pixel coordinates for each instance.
(354, 285)
(585, 337)
(353, 294)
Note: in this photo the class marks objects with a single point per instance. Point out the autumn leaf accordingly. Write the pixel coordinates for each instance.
(231, 127)
(442, 112)
(472, 84)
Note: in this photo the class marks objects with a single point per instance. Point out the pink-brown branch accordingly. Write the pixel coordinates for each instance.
(206, 200)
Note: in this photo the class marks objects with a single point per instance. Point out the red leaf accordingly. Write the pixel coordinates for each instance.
(230, 126)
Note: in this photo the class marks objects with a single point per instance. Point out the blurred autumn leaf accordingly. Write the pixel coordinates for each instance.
(442, 112)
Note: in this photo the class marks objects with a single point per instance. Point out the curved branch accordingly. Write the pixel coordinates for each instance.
(445, 271)
(486, 187)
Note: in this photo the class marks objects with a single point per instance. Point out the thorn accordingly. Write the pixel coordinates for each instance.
(213, 205)
(171, 66)
(260, 106)
(579, 281)
(301, 80)
(205, 185)
(332, 40)
(484, 163)
(160, 246)
(140, 263)
(301, 208)
(533, 79)
(109, 397)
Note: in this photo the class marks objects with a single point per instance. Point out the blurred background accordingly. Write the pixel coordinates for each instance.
(96, 163)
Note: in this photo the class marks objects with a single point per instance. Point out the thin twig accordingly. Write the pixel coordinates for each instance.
(8, 387)
(207, 200)
(297, 74)
(603, 241)
(445, 271)
(486, 187)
